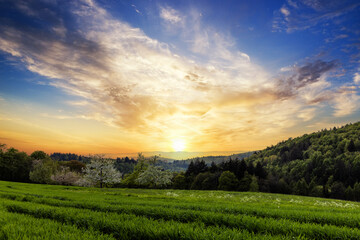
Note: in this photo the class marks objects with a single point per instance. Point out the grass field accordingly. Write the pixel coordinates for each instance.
(31, 211)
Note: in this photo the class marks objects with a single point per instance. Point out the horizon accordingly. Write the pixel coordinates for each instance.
(181, 155)
(121, 77)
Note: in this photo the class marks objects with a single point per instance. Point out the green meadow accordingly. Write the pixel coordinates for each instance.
(35, 211)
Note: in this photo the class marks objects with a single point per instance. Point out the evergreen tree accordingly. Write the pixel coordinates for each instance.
(213, 168)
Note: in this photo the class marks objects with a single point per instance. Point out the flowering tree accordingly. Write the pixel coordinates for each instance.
(153, 176)
(101, 171)
(65, 177)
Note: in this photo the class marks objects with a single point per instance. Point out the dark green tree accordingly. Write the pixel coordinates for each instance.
(244, 183)
(301, 187)
(205, 181)
(349, 193)
(14, 165)
(39, 155)
(351, 146)
(254, 185)
(338, 190)
(74, 165)
(356, 191)
(260, 171)
(179, 181)
(228, 181)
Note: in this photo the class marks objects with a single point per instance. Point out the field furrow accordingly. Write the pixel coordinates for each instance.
(127, 226)
(240, 222)
(164, 214)
(208, 214)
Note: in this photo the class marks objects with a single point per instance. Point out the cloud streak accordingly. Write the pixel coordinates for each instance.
(306, 14)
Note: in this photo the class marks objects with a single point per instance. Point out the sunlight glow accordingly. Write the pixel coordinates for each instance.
(178, 145)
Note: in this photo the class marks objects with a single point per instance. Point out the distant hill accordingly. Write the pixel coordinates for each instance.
(324, 163)
(126, 164)
(172, 156)
(182, 165)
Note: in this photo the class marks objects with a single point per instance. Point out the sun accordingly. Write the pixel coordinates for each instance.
(178, 145)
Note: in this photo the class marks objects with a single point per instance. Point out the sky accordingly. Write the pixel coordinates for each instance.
(124, 76)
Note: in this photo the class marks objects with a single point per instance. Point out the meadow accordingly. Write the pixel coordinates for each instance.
(35, 211)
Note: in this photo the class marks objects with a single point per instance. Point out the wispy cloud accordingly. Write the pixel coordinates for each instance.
(345, 104)
(305, 14)
(136, 9)
(170, 15)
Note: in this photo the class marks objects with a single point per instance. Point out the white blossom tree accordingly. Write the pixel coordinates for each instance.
(65, 177)
(101, 171)
(153, 176)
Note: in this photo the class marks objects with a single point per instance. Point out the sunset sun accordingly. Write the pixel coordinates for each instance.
(178, 145)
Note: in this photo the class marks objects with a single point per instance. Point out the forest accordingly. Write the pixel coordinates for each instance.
(321, 164)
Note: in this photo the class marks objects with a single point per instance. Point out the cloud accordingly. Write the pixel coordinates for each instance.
(307, 114)
(136, 10)
(340, 36)
(170, 15)
(136, 83)
(345, 104)
(285, 11)
(307, 14)
(308, 84)
(302, 76)
(292, 3)
(357, 78)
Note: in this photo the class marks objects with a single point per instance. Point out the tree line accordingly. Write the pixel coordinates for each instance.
(321, 164)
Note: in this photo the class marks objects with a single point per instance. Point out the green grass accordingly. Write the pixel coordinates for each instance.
(33, 211)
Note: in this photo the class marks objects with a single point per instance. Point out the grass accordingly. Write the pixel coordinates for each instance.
(34, 211)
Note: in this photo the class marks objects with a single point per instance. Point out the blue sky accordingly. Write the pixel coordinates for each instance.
(127, 76)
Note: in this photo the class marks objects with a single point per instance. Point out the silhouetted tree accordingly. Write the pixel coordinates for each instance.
(39, 155)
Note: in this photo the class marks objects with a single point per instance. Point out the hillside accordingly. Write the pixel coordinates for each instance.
(325, 163)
